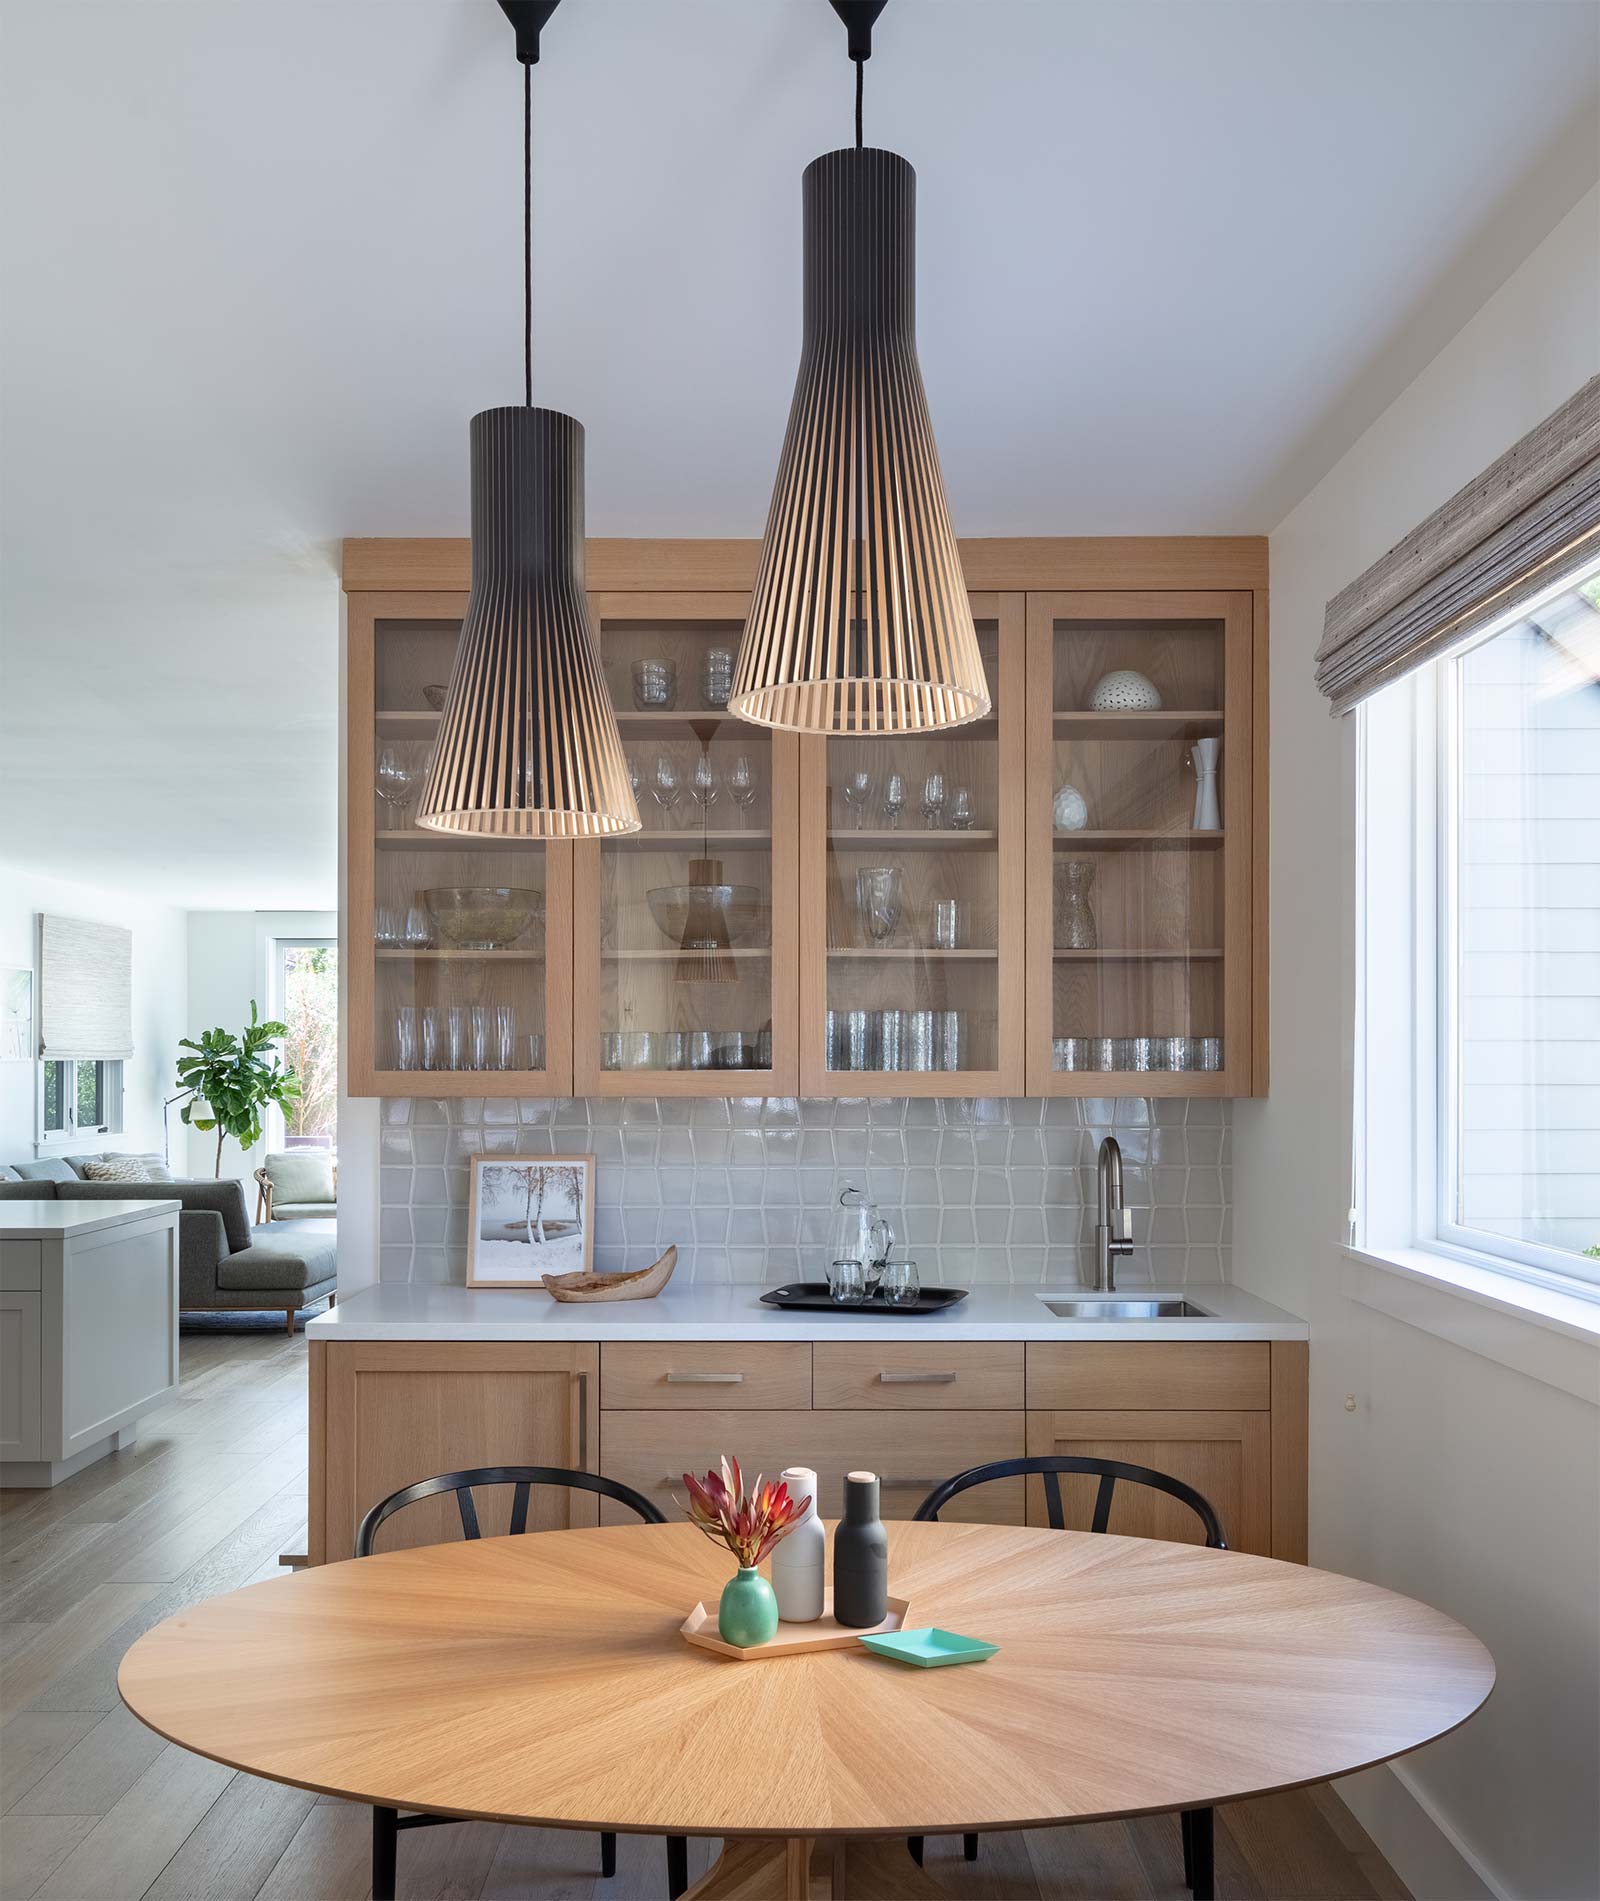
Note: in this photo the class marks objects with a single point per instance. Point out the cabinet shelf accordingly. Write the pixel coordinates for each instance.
(905, 953)
(1136, 956)
(1135, 841)
(698, 844)
(845, 838)
(387, 956)
(444, 841)
(1163, 723)
(677, 956)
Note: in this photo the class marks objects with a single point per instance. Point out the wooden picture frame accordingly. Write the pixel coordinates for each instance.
(519, 1192)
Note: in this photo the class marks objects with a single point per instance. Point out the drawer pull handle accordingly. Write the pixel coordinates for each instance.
(705, 1379)
(916, 1379)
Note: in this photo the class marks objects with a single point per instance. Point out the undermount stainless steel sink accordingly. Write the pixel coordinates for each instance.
(1108, 1309)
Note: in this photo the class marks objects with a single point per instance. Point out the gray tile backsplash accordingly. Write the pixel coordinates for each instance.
(978, 1189)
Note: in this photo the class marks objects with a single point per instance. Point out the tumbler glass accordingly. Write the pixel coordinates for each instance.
(455, 1037)
(951, 1036)
(478, 1036)
(947, 921)
(847, 1283)
(405, 1037)
(900, 1284)
(432, 1038)
(505, 1036)
(891, 1039)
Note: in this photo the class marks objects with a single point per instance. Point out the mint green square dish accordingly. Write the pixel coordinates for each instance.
(929, 1649)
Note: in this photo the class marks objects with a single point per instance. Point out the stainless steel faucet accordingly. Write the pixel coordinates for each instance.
(1113, 1233)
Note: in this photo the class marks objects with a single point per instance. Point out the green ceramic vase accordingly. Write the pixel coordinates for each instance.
(748, 1613)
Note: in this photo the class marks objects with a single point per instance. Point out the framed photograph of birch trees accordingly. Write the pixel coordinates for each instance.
(531, 1215)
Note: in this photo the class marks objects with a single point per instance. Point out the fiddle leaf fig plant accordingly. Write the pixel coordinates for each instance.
(233, 1078)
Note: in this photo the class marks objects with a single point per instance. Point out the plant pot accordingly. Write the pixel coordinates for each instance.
(748, 1612)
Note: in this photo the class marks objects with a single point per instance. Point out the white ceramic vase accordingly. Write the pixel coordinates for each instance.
(799, 1559)
(1071, 809)
(1207, 757)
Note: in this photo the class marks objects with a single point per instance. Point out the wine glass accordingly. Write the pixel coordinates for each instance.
(635, 777)
(742, 783)
(933, 800)
(666, 788)
(961, 809)
(879, 900)
(396, 778)
(857, 790)
(894, 799)
(705, 781)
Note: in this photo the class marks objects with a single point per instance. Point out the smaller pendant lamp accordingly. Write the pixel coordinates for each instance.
(528, 743)
(860, 621)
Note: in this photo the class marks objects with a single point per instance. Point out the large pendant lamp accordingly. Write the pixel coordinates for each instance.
(528, 744)
(860, 621)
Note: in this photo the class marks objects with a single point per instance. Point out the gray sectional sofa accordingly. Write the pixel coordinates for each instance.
(224, 1264)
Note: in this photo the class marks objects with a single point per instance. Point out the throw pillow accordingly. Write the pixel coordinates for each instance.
(123, 1169)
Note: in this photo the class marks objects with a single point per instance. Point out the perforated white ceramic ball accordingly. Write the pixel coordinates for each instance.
(1124, 692)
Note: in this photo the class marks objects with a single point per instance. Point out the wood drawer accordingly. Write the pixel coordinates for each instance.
(1147, 1375)
(911, 1375)
(912, 1452)
(694, 1374)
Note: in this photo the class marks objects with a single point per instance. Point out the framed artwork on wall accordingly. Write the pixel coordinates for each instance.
(17, 1043)
(531, 1215)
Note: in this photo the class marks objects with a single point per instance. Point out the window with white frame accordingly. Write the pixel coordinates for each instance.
(1478, 981)
(78, 1098)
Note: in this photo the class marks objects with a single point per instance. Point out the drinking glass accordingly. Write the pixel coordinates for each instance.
(894, 799)
(742, 783)
(405, 1037)
(418, 931)
(951, 1037)
(635, 777)
(933, 800)
(716, 676)
(478, 1036)
(431, 1038)
(878, 899)
(536, 1049)
(455, 1037)
(857, 790)
(847, 1283)
(505, 1036)
(655, 685)
(705, 781)
(900, 1284)
(385, 931)
(961, 809)
(947, 923)
(666, 788)
(396, 778)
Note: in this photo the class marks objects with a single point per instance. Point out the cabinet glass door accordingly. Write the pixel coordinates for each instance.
(684, 952)
(1139, 831)
(460, 952)
(911, 914)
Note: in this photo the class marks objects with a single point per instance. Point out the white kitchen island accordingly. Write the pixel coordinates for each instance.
(88, 1330)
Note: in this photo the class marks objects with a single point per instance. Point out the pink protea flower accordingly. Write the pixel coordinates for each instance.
(749, 1524)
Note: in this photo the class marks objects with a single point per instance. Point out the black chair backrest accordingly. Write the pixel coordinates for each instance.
(521, 1476)
(1108, 1471)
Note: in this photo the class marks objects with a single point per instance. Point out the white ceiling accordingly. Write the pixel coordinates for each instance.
(263, 265)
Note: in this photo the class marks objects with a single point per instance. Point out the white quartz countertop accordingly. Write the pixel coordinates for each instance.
(404, 1310)
(50, 1220)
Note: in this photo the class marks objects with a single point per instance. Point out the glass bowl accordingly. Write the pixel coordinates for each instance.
(708, 916)
(482, 917)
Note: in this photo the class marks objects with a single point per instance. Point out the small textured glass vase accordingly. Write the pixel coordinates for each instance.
(748, 1613)
(1075, 927)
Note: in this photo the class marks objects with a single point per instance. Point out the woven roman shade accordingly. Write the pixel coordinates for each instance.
(1498, 543)
(85, 990)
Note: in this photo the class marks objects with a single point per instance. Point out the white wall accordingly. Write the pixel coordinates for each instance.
(160, 955)
(1453, 1479)
(229, 954)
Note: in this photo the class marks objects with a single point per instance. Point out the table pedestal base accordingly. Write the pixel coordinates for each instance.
(803, 1868)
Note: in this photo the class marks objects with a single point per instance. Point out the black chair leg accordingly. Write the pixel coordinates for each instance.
(1188, 1848)
(608, 1855)
(677, 1865)
(969, 1847)
(385, 1839)
(1200, 1856)
(914, 1845)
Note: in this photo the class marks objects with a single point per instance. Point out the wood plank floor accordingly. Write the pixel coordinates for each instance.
(93, 1807)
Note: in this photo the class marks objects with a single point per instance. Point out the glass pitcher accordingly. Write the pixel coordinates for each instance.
(861, 1233)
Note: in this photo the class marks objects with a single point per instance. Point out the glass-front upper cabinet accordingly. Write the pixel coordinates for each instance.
(911, 919)
(685, 933)
(1139, 859)
(459, 964)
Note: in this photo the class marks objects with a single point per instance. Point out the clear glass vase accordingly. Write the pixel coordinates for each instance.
(1075, 926)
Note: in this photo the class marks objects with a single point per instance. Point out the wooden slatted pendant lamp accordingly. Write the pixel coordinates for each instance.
(528, 742)
(860, 621)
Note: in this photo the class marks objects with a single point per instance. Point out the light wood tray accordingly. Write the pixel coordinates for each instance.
(700, 1628)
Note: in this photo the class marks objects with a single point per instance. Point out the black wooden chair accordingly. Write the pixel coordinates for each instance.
(1197, 1824)
(386, 1822)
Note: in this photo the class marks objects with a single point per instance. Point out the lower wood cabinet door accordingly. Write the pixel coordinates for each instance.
(387, 1413)
(912, 1453)
(1226, 1456)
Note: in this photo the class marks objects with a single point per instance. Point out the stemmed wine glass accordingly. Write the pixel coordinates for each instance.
(933, 800)
(396, 779)
(894, 799)
(961, 809)
(742, 783)
(705, 781)
(857, 790)
(666, 788)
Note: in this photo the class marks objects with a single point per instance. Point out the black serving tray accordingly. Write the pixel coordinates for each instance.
(813, 1297)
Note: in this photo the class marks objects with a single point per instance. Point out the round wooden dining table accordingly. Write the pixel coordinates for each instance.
(543, 1679)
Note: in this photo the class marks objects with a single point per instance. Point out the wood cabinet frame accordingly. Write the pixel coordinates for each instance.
(1026, 580)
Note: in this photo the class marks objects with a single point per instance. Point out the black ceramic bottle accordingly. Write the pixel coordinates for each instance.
(860, 1556)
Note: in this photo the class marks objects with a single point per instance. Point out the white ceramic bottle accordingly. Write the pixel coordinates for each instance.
(799, 1560)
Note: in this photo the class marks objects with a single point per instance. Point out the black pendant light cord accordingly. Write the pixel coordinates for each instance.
(861, 68)
(527, 234)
